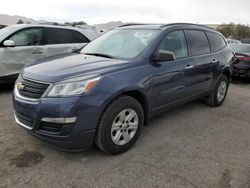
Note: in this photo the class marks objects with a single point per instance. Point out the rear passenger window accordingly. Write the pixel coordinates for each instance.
(216, 41)
(198, 42)
(80, 38)
(175, 42)
(64, 36)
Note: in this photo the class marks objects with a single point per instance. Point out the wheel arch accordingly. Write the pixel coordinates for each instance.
(139, 95)
(142, 99)
(227, 72)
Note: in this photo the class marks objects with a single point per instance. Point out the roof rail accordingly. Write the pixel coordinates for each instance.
(53, 23)
(60, 24)
(172, 24)
(131, 24)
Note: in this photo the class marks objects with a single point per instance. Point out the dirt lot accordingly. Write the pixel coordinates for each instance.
(190, 146)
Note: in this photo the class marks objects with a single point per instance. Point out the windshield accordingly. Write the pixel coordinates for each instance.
(121, 44)
(241, 48)
(6, 30)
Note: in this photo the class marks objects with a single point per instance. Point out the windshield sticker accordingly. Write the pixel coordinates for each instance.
(141, 34)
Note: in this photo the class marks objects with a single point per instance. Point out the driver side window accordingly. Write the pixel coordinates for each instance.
(175, 42)
(28, 37)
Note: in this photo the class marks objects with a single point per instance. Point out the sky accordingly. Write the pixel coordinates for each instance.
(145, 11)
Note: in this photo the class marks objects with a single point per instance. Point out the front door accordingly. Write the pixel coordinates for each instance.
(28, 48)
(171, 78)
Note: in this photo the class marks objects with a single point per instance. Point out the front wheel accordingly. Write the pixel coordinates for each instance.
(120, 125)
(219, 93)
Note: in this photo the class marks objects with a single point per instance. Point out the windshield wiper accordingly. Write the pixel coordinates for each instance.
(100, 54)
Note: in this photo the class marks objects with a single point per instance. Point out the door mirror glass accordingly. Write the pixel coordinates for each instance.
(9, 43)
(164, 55)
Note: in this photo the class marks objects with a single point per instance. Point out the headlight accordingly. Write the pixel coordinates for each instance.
(73, 88)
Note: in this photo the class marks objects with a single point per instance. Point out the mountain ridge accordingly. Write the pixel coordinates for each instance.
(6, 19)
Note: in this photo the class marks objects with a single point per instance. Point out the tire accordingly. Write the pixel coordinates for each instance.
(214, 99)
(114, 135)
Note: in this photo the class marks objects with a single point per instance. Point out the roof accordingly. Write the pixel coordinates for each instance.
(89, 33)
(46, 25)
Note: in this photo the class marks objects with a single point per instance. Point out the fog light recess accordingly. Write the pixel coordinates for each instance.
(59, 120)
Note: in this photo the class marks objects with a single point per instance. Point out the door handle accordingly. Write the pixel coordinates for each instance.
(189, 67)
(75, 49)
(215, 61)
(37, 52)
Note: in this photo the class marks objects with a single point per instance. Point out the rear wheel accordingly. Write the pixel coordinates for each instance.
(219, 93)
(120, 125)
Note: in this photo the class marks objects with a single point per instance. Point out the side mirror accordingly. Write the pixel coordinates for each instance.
(164, 55)
(9, 43)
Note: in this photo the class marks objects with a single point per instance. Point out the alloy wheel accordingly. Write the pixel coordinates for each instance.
(124, 127)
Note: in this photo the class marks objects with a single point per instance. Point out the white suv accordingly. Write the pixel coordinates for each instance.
(22, 45)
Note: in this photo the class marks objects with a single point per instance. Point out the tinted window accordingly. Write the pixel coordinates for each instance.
(175, 42)
(216, 41)
(198, 42)
(28, 37)
(80, 38)
(64, 36)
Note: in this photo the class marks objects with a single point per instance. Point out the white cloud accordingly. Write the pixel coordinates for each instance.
(161, 11)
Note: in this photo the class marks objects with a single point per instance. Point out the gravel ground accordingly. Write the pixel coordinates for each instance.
(191, 146)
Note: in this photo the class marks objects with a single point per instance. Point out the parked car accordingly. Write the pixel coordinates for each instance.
(24, 44)
(241, 66)
(245, 41)
(106, 93)
(2, 26)
(233, 41)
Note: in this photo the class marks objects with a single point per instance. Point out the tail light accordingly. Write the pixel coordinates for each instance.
(242, 58)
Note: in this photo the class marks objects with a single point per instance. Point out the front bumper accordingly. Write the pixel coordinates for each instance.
(69, 136)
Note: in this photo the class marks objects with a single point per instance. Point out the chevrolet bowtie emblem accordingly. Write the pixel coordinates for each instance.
(20, 86)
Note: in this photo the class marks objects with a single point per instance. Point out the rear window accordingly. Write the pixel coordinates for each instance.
(64, 36)
(216, 41)
(79, 37)
(198, 42)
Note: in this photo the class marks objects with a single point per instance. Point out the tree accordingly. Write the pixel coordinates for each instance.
(226, 29)
(76, 23)
(241, 31)
(232, 30)
(80, 23)
(20, 21)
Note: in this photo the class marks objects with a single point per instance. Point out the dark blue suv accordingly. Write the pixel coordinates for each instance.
(107, 92)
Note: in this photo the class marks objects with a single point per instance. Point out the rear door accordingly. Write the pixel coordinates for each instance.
(218, 44)
(28, 49)
(204, 62)
(59, 41)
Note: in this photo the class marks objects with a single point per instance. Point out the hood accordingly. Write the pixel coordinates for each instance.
(70, 66)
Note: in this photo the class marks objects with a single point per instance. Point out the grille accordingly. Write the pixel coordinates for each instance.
(51, 127)
(33, 89)
(25, 120)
